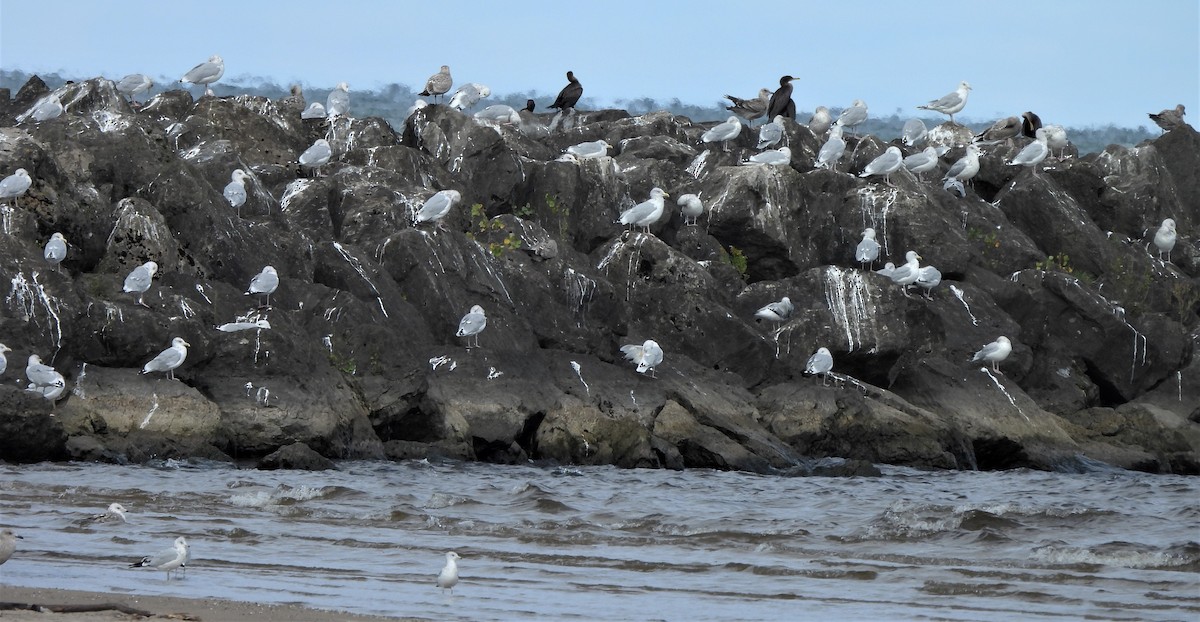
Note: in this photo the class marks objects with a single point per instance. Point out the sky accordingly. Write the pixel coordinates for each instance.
(1074, 62)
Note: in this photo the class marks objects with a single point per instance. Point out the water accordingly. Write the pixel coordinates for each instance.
(603, 543)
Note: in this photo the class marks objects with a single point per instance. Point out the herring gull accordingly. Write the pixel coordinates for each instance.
(646, 356)
(499, 113)
(913, 132)
(1033, 153)
(471, 325)
(8, 544)
(771, 157)
(723, 132)
(1164, 238)
(316, 156)
(56, 250)
(832, 150)
(1169, 119)
(781, 102)
(887, 270)
(887, 163)
(966, 167)
(438, 84)
(167, 559)
(44, 379)
(820, 121)
(448, 577)
(928, 277)
(468, 95)
(315, 110)
(590, 150)
(906, 274)
(4, 359)
(950, 103)
(868, 249)
(338, 101)
(770, 133)
(1056, 138)
(205, 73)
(235, 190)
(853, 116)
(133, 84)
(16, 184)
(570, 94)
(46, 108)
(821, 362)
(778, 312)
(437, 206)
(690, 208)
(647, 212)
(115, 512)
(265, 282)
(750, 109)
(139, 279)
(922, 161)
(994, 353)
(168, 360)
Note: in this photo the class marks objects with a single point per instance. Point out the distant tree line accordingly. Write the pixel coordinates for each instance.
(391, 102)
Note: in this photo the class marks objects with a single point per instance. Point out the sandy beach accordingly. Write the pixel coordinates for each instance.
(161, 607)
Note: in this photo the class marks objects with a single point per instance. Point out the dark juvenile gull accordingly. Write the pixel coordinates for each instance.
(821, 362)
(168, 360)
(448, 577)
(438, 84)
(690, 208)
(1169, 119)
(570, 94)
(139, 279)
(772, 157)
(1164, 238)
(832, 150)
(1002, 129)
(907, 274)
(4, 359)
(15, 185)
(56, 250)
(646, 356)
(950, 103)
(994, 353)
(8, 544)
(205, 73)
(133, 84)
(778, 312)
(1030, 123)
(167, 559)
(853, 116)
(723, 132)
(468, 95)
(316, 156)
(235, 190)
(437, 206)
(590, 150)
(471, 325)
(781, 100)
(928, 277)
(315, 110)
(1056, 138)
(647, 212)
(868, 249)
(913, 132)
(265, 283)
(499, 113)
(770, 133)
(820, 121)
(1033, 153)
(294, 103)
(966, 167)
(922, 161)
(338, 101)
(750, 109)
(887, 163)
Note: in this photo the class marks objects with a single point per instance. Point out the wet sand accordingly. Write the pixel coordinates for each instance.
(162, 608)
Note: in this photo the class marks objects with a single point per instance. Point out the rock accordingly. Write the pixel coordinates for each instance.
(28, 431)
(297, 456)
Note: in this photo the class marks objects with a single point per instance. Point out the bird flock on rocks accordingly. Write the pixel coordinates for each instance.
(777, 106)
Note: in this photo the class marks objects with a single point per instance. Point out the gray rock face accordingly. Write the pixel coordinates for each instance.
(360, 359)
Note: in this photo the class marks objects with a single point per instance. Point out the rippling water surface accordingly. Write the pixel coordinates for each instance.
(604, 543)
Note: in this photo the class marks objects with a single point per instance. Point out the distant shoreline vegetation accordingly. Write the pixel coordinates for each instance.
(392, 101)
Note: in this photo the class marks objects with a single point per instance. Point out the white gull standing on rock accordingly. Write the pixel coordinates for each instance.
(887, 163)
(46, 108)
(647, 212)
(770, 133)
(922, 161)
(771, 157)
(832, 150)
(907, 274)
(966, 167)
(315, 110)
(950, 103)
(1164, 238)
(646, 356)
(1033, 153)
(437, 206)
(468, 95)
(15, 185)
(133, 84)
(168, 360)
(44, 379)
(868, 249)
(205, 73)
(471, 325)
(914, 131)
(316, 156)
(691, 208)
(4, 359)
(500, 113)
(265, 282)
(778, 312)
(853, 116)
(821, 362)
(928, 277)
(590, 150)
(56, 250)
(723, 132)
(1056, 138)
(994, 353)
(139, 279)
(338, 101)
(235, 190)
(820, 121)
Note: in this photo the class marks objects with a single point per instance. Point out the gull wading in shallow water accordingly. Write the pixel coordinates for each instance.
(448, 577)
(167, 559)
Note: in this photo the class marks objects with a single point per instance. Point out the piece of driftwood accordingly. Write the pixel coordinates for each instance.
(88, 609)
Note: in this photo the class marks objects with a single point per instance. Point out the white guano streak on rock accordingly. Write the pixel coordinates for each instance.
(847, 295)
(357, 265)
(153, 408)
(958, 293)
(579, 372)
(32, 296)
(874, 215)
(1000, 386)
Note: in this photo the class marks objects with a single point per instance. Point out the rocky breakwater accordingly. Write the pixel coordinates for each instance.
(356, 353)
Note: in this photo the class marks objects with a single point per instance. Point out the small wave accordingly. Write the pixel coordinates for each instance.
(1123, 555)
(439, 500)
(284, 495)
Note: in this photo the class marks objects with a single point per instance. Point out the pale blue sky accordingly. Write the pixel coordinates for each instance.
(1074, 62)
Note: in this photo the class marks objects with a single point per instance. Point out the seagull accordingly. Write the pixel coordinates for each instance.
(966, 167)
(448, 577)
(133, 84)
(647, 212)
(235, 190)
(205, 73)
(46, 108)
(315, 110)
(4, 359)
(750, 109)
(167, 559)
(168, 359)
(781, 100)
(928, 277)
(115, 511)
(265, 282)
(868, 249)
(778, 312)
(853, 116)
(907, 274)
(922, 161)
(821, 362)
(1056, 138)
(338, 101)
(316, 156)
(1033, 153)
(887, 270)
(437, 206)
(690, 208)
(138, 280)
(770, 133)
(438, 83)
(500, 113)
(1169, 119)
(468, 95)
(570, 94)
(590, 150)
(821, 121)
(471, 325)
(56, 250)
(772, 157)
(1002, 129)
(16, 184)
(647, 356)
(44, 379)
(723, 132)
(951, 102)
(832, 150)
(1164, 238)
(994, 353)
(914, 131)
(8, 544)
(887, 163)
